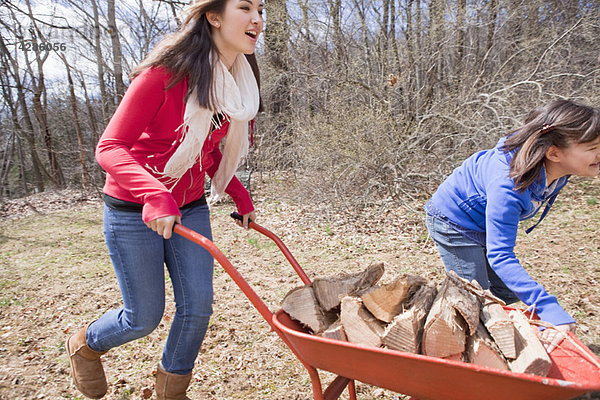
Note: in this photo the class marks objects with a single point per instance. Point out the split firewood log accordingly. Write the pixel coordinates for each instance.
(532, 357)
(302, 305)
(329, 291)
(359, 324)
(475, 288)
(500, 327)
(335, 331)
(482, 350)
(385, 301)
(405, 331)
(463, 300)
(455, 357)
(454, 315)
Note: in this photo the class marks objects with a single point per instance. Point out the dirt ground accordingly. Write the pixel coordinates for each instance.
(55, 276)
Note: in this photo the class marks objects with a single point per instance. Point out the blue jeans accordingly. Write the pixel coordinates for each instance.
(467, 258)
(139, 255)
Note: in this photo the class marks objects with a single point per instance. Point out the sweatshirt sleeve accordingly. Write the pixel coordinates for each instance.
(502, 220)
(235, 188)
(139, 105)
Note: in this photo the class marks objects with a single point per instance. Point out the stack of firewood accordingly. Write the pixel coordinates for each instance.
(457, 321)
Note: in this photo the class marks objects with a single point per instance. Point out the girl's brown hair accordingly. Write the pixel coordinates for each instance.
(558, 123)
(190, 52)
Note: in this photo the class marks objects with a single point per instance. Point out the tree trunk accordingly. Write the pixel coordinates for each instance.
(276, 42)
(12, 67)
(80, 143)
(341, 64)
(39, 101)
(491, 30)
(106, 110)
(365, 39)
(91, 114)
(22, 175)
(5, 163)
(461, 28)
(434, 46)
(116, 51)
(382, 36)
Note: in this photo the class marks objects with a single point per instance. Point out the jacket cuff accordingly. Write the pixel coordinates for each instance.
(555, 314)
(245, 207)
(240, 196)
(159, 206)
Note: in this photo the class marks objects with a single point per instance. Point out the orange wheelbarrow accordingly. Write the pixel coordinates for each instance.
(575, 369)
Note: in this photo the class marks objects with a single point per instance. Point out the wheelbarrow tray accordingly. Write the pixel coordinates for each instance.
(572, 373)
(575, 369)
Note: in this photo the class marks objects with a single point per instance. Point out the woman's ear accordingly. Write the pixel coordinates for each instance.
(553, 154)
(213, 19)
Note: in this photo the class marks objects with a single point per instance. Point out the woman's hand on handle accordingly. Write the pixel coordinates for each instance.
(551, 337)
(164, 225)
(246, 218)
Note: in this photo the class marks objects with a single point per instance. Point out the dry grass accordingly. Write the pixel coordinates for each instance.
(55, 275)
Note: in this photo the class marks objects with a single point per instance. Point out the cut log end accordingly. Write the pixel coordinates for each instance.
(500, 327)
(387, 301)
(482, 350)
(301, 304)
(329, 291)
(532, 356)
(359, 324)
(335, 331)
(405, 331)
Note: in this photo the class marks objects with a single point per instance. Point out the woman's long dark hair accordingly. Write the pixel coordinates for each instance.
(558, 123)
(187, 52)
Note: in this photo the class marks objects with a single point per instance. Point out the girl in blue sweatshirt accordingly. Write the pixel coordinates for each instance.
(474, 214)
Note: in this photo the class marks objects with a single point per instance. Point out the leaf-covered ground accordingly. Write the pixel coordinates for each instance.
(55, 276)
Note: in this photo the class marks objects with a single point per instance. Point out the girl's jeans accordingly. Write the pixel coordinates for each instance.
(139, 255)
(467, 258)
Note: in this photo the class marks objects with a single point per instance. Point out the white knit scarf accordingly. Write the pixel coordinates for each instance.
(237, 97)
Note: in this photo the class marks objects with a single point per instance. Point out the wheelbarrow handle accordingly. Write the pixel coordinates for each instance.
(236, 215)
(286, 252)
(228, 267)
(335, 389)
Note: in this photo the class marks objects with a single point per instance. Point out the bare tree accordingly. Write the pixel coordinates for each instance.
(39, 99)
(76, 122)
(13, 81)
(100, 63)
(116, 51)
(461, 27)
(335, 9)
(276, 44)
(363, 98)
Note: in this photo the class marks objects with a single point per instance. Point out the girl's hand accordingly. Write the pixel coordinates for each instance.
(251, 216)
(551, 337)
(164, 225)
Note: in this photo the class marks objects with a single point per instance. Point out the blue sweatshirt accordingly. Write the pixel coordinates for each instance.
(479, 196)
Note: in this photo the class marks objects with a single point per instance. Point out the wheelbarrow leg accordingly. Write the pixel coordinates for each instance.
(335, 388)
(352, 390)
(315, 381)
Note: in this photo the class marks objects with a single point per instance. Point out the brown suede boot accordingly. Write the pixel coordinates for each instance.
(171, 386)
(86, 367)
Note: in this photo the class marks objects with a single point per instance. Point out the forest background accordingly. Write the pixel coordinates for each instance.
(364, 99)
